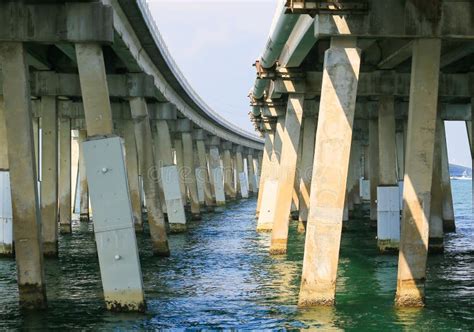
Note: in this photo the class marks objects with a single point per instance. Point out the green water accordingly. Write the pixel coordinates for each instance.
(220, 276)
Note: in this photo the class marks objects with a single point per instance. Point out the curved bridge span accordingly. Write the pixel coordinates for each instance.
(89, 91)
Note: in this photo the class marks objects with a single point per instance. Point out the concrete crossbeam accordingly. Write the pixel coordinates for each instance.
(51, 23)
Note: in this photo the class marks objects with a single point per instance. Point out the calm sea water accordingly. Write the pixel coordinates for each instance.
(220, 276)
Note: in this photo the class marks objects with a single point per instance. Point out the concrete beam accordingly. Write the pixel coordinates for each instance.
(380, 83)
(452, 20)
(399, 52)
(47, 83)
(53, 22)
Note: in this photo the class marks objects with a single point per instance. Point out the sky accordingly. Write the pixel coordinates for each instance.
(215, 43)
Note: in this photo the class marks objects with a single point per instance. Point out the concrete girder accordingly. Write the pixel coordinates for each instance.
(398, 51)
(51, 23)
(451, 86)
(47, 83)
(366, 110)
(448, 21)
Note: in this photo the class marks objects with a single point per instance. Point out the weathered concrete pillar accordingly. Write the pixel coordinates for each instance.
(295, 200)
(306, 164)
(287, 173)
(251, 173)
(169, 173)
(228, 171)
(265, 163)
(373, 168)
(49, 176)
(238, 189)
(108, 187)
(365, 181)
(388, 195)
(25, 208)
(449, 224)
(157, 170)
(178, 149)
(469, 131)
(216, 170)
(349, 204)
(146, 158)
(436, 234)
(199, 180)
(200, 137)
(6, 218)
(127, 128)
(418, 172)
(74, 167)
(185, 126)
(256, 169)
(269, 191)
(331, 163)
(83, 188)
(400, 145)
(241, 176)
(353, 190)
(64, 135)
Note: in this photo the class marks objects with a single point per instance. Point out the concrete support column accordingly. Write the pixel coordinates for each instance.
(331, 164)
(436, 234)
(418, 172)
(373, 168)
(449, 224)
(353, 190)
(65, 209)
(388, 195)
(24, 194)
(241, 177)
(203, 169)
(170, 179)
(83, 188)
(400, 143)
(287, 173)
(6, 218)
(228, 171)
(469, 131)
(189, 171)
(146, 158)
(216, 170)
(365, 181)
(251, 173)
(295, 200)
(157, 170)
(108, 187)
(256, 169)
(178, 149)
(306, 167)
(131, 158)
(269, 189)
(199, 180)
(238, 190)
(49, 176)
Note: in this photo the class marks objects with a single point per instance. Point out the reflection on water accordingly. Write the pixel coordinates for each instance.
(220, 276)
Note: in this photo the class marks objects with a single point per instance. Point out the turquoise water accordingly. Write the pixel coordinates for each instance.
(220, 276)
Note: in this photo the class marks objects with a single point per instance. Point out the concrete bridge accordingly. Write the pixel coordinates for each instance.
(351, 97)
(90, 91)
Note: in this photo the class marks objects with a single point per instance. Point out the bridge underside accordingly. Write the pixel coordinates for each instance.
(351, 97)
(92, 104)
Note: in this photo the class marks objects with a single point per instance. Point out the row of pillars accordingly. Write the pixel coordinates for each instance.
(312, 160)
(123, 167)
